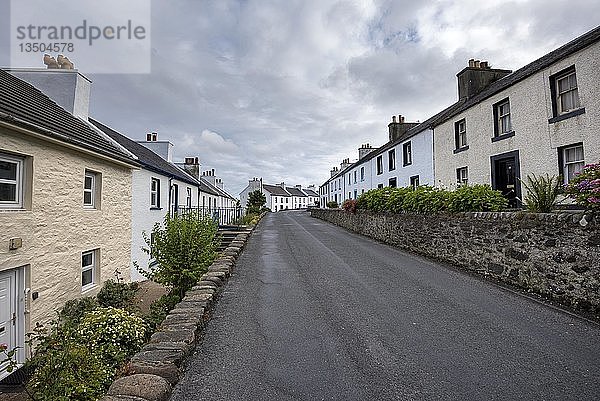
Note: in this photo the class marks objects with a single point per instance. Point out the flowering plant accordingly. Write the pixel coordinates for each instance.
(584, 188)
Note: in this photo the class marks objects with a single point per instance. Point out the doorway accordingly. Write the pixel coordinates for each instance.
(506, 174)
(12, 314)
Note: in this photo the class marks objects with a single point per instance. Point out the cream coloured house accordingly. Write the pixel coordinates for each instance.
(65, 205)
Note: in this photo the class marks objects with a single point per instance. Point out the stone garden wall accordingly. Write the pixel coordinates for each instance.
(556, 255)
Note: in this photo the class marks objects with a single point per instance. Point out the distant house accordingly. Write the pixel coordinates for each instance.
(280, 197)
(65, 209)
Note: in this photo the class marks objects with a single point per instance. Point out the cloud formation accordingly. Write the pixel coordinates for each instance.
(286, 90)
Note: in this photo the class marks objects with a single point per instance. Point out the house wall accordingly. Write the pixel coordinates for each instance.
(57, 228)
(535, 138)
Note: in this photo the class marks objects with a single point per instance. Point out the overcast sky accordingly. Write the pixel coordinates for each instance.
(286, 89)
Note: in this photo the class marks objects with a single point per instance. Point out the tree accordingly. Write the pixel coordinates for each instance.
(256, 202)
(183, 247)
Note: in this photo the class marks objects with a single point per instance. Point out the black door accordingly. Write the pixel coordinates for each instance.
(505, 176)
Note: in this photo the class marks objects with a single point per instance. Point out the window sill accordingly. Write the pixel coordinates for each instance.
(156, 208)
(88, 288)
(392, 169)
(566, 115)
(458, 150)
(503, 136)
(407, 164)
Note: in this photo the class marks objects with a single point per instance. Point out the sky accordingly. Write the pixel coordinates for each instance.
(286, 89)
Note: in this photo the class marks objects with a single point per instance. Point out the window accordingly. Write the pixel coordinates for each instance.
(155, 193)
(188, 198)
(89, 267)
(460, 134)
(565, 95)
(392, 160)
(90, 188)
(393, 183)
(462, 176)
(571, 160)
(414, 181)
(11, 182)
(362, 173)
(407, 153)
(355, 194)
(349, 178)
(379, 165)
(379, 185)
(502, 122)
(355, 176)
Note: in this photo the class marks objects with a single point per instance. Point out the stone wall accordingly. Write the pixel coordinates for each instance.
(556, 255)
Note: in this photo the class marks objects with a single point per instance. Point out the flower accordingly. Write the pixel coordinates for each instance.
(3, 346)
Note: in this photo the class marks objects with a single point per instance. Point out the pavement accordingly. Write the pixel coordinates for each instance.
(315, 312)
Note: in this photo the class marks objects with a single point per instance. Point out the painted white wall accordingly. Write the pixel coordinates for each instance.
(535, 138)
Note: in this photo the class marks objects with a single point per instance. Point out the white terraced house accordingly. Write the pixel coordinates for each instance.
(281, 197)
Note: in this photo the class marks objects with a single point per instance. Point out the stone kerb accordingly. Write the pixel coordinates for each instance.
(556, 255)
(158, 366)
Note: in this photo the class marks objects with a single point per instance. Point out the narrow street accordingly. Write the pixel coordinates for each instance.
(314, 312)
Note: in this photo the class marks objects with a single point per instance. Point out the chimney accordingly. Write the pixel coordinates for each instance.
(477, 76)
(299, 187)
(334, 171)
(282, 185)
(191, 165)
(255, 184)
(162, 148)
(345, 163)
(364, 150)
(65, 86)
(399, 128)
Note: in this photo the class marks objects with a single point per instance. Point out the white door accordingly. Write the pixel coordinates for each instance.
(8, 311)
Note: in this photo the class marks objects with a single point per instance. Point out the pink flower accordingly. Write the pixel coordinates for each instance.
(3, 346)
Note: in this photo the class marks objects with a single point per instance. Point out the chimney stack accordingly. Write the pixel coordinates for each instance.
(477, 76)
(399, 128)
(162, 148)
(191, 165)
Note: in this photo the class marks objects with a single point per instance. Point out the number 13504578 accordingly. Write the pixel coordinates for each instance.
(57, 47)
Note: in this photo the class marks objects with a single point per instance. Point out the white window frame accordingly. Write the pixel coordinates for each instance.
(559, 94)
(93, 267)
(379, 163)
(18, 182)
(566, 164)
(155, 193)
(188, 198)
(462, 176)
(461, 134)
(503, 117)
(392, 160)
(407, 153)
(91, 191)
(362, 174)
(414, 181)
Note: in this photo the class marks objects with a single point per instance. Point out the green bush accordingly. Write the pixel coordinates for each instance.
(183, 247)
(476, 198)
(375, 200)
(117, 294)
(425, 199)
(115, 332)
(396, 198)
(542, 193)
(332, 205)
(72, 312)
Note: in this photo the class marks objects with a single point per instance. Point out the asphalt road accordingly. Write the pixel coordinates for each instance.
(315, 312)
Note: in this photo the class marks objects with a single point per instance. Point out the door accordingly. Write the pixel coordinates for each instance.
(505, 177)
(8, 312)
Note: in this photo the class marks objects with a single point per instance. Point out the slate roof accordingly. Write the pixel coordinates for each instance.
(23, 105)
(151, 161)
(461, 105)
(275, 190)
(310, 192)
(219, 191)
(295, 192)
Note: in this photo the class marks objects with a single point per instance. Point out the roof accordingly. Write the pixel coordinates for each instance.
(310, 192)
(216, 189)
(23, 105)
(295, 192)
(275, 190)
(150, 160)
(541, 63)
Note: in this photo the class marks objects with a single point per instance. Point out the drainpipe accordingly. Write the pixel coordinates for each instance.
(170, 190)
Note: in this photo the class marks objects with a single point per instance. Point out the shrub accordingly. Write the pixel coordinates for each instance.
(396, 199)
(425, 199)
(584, 188)
(542, 193)
(183, 247)
(332, 205)
(476, 198)
(117, 294)
(72, 312)
(116, 332)
(256, 202)
(349, 205)
(375, 200)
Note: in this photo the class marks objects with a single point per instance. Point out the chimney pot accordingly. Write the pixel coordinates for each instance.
(393, 119)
